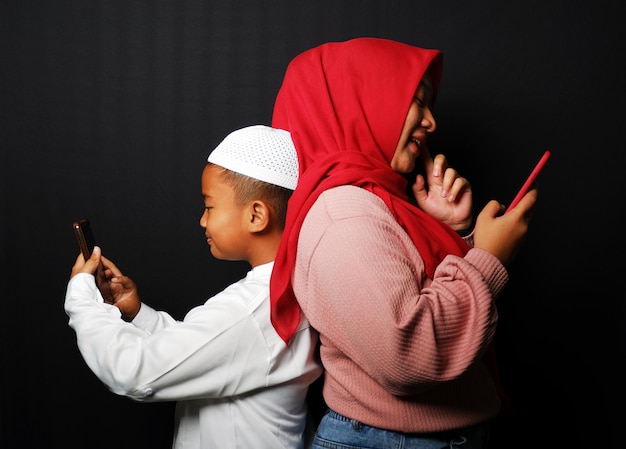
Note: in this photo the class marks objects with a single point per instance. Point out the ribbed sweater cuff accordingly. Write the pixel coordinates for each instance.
(492, 269)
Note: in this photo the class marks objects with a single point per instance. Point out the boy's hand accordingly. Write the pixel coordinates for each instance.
(89, 266)
(92, 266)
(123, 289)
(120, 290)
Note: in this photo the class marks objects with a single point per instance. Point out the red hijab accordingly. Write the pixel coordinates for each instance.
(345, 104)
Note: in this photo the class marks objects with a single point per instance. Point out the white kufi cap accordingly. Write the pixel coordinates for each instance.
(260, 152)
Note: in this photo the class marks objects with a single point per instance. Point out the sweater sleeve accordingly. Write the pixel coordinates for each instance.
(361, 283)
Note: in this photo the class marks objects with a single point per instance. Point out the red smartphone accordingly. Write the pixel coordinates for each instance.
(530, 180)
(86, 242)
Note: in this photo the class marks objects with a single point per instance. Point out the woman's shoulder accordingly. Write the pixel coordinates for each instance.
(350, 201)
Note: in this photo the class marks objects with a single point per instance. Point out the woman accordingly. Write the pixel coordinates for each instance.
(404, 306)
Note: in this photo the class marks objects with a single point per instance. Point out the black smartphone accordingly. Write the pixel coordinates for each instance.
(86, 242)
(530, 180)
(84, 237)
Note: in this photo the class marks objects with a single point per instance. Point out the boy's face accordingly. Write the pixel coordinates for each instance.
(224, 220)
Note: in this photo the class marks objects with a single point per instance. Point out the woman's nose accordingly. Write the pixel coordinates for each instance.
(428, 121)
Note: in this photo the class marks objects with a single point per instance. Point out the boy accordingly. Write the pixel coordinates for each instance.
(236, 382)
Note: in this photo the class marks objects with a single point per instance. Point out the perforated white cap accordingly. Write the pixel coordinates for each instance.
(261, 152)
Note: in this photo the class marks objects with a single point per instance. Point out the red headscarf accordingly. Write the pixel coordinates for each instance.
(345, 104)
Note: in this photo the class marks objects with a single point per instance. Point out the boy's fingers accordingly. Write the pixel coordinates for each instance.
(108, 264)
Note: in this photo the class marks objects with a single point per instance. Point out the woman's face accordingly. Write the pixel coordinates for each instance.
(418, 124)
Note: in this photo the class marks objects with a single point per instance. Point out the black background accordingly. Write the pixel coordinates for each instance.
(108, 110)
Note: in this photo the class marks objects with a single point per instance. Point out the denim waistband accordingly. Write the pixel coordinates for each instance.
(438, 434)
(335, 415)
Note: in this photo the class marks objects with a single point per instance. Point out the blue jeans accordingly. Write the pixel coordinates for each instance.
(338, 432)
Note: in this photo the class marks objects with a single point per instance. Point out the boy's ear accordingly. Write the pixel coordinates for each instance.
(258, 215)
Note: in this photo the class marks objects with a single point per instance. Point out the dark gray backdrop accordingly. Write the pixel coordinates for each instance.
(108, 110)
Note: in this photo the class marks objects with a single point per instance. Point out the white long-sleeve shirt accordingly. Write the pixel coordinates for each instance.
(236, 382)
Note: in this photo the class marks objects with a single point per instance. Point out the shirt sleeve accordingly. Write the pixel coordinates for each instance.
(151, 320)
(216, 351)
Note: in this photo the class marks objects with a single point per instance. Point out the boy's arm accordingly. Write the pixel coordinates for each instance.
(218, 351)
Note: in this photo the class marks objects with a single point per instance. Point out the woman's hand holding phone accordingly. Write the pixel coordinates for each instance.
(503, 235)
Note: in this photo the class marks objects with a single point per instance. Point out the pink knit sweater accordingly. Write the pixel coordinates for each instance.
(401, 352)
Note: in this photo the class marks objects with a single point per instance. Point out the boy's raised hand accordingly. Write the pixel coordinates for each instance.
(86, 266)
(92, 266)
(123, 291)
